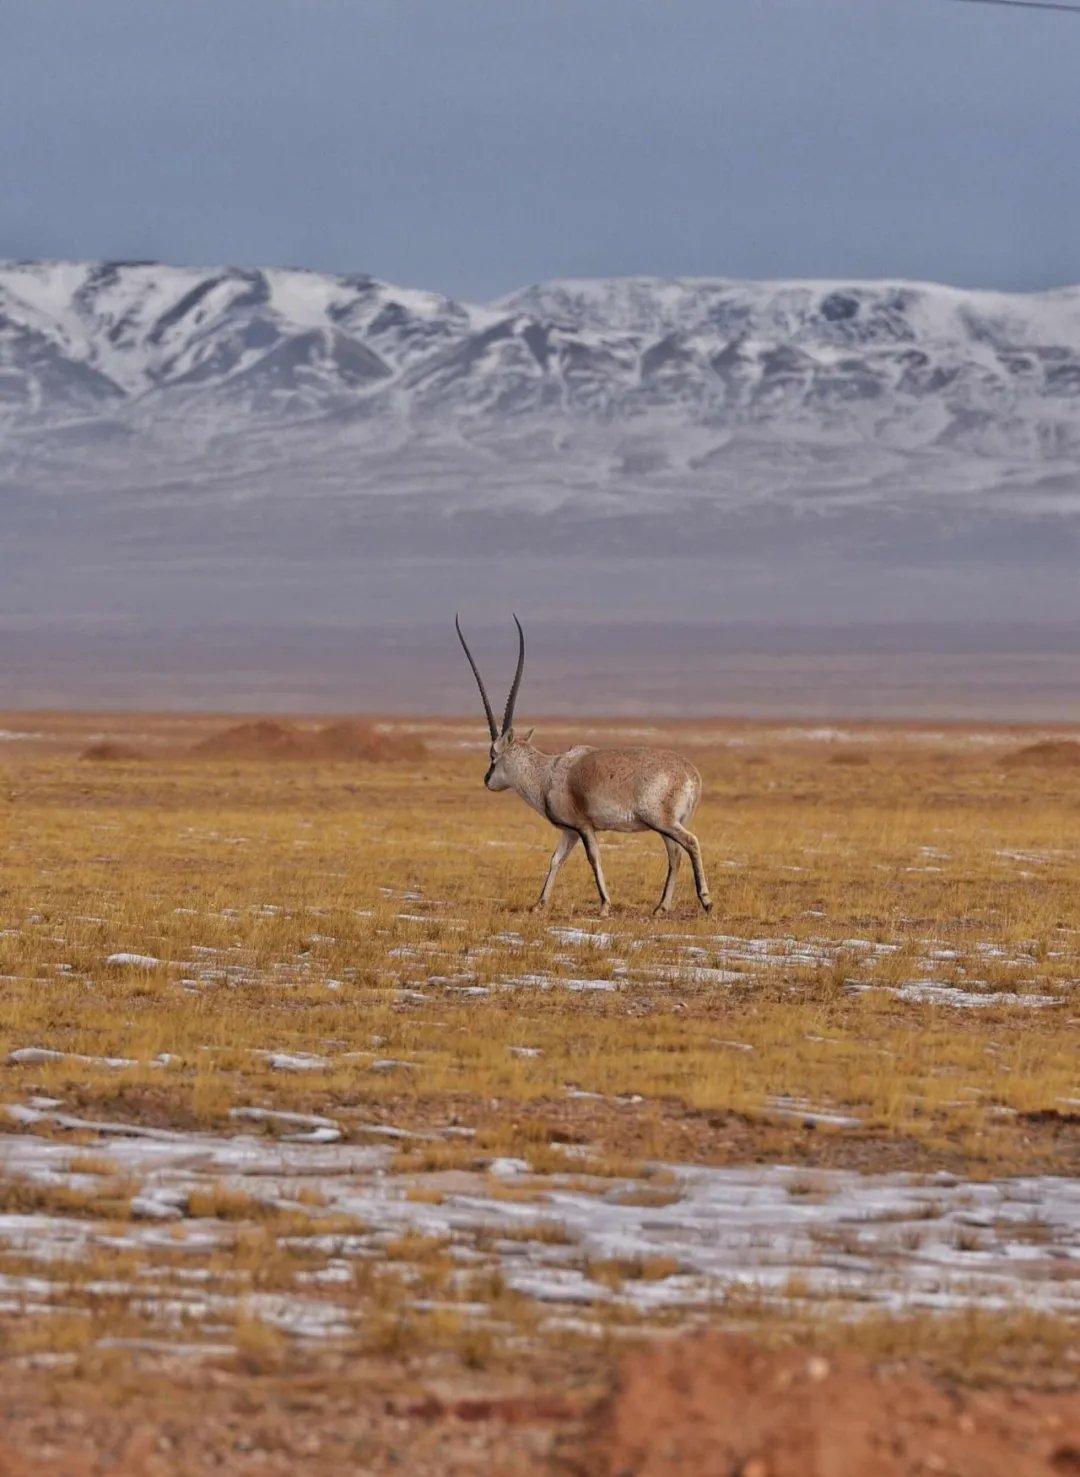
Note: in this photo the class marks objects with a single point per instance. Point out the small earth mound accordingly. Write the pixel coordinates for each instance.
(109, 751)
(1048, 754)
(262, 739)
(721, 1404)
(346, 741)
(352, 740)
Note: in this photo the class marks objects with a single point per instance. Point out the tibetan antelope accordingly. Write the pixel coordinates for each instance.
(584, 790)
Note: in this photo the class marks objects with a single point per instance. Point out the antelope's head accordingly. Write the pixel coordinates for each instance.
(507, 751)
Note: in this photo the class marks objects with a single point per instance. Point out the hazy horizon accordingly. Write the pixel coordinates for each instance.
(939, 673)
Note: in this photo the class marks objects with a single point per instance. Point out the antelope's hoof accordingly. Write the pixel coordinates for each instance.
(660, 908)
(605, 910)
(706, 903)
(538, 907)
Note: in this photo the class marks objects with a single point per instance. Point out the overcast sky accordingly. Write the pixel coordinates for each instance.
(477, 145)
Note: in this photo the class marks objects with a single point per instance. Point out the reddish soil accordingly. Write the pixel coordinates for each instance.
(169, 1420)
(262, 739)
(1049, 754)
(705, 1406)
(111, 752)
(726, 1407)
(351, 740)
(346, 741)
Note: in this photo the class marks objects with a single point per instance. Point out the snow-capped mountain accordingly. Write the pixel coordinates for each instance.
(248, 455)
(635, 409)
(922, 364)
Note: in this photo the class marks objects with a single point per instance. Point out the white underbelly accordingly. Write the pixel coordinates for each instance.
(608, 817)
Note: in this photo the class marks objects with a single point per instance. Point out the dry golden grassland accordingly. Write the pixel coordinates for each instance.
(889, 982)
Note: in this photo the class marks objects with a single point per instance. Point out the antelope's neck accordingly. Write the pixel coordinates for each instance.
(534, 779)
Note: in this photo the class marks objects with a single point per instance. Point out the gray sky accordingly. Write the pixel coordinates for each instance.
(477, 145)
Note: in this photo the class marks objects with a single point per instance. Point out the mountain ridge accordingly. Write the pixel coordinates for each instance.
(637, 397)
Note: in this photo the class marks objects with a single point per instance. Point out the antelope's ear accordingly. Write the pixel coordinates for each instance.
(528, 736)
(508, 736)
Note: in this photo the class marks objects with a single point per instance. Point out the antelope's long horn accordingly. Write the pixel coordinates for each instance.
(508, 715)
(479, 681)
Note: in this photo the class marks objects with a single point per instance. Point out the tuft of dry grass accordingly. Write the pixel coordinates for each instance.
(615, 1271)
(972, 1346)
(21, 1195)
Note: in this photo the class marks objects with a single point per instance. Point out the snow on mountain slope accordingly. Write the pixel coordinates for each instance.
(843, 312)
(624, 395)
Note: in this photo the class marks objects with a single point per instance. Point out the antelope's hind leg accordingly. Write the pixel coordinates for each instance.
(689, 843)
(674, 857)
(563, 847)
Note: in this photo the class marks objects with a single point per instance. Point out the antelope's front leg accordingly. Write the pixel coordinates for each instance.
(592, 851)
(565, 845)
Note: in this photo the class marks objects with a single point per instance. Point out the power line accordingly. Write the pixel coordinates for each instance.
(1026, 4)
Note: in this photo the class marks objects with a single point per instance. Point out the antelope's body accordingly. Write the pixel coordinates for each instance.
(585, 790)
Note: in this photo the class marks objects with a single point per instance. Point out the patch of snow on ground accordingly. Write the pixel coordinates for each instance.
(924, 991)
(301, 1061)
(801, 1111)
(26, 1056)
(854, 1241)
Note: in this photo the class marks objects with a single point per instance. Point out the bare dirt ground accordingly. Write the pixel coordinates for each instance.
(726, 1406)
(700, 1404)
(320, 1149)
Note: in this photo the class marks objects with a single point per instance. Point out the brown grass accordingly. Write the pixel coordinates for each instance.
(297, 911)
(261, 886)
